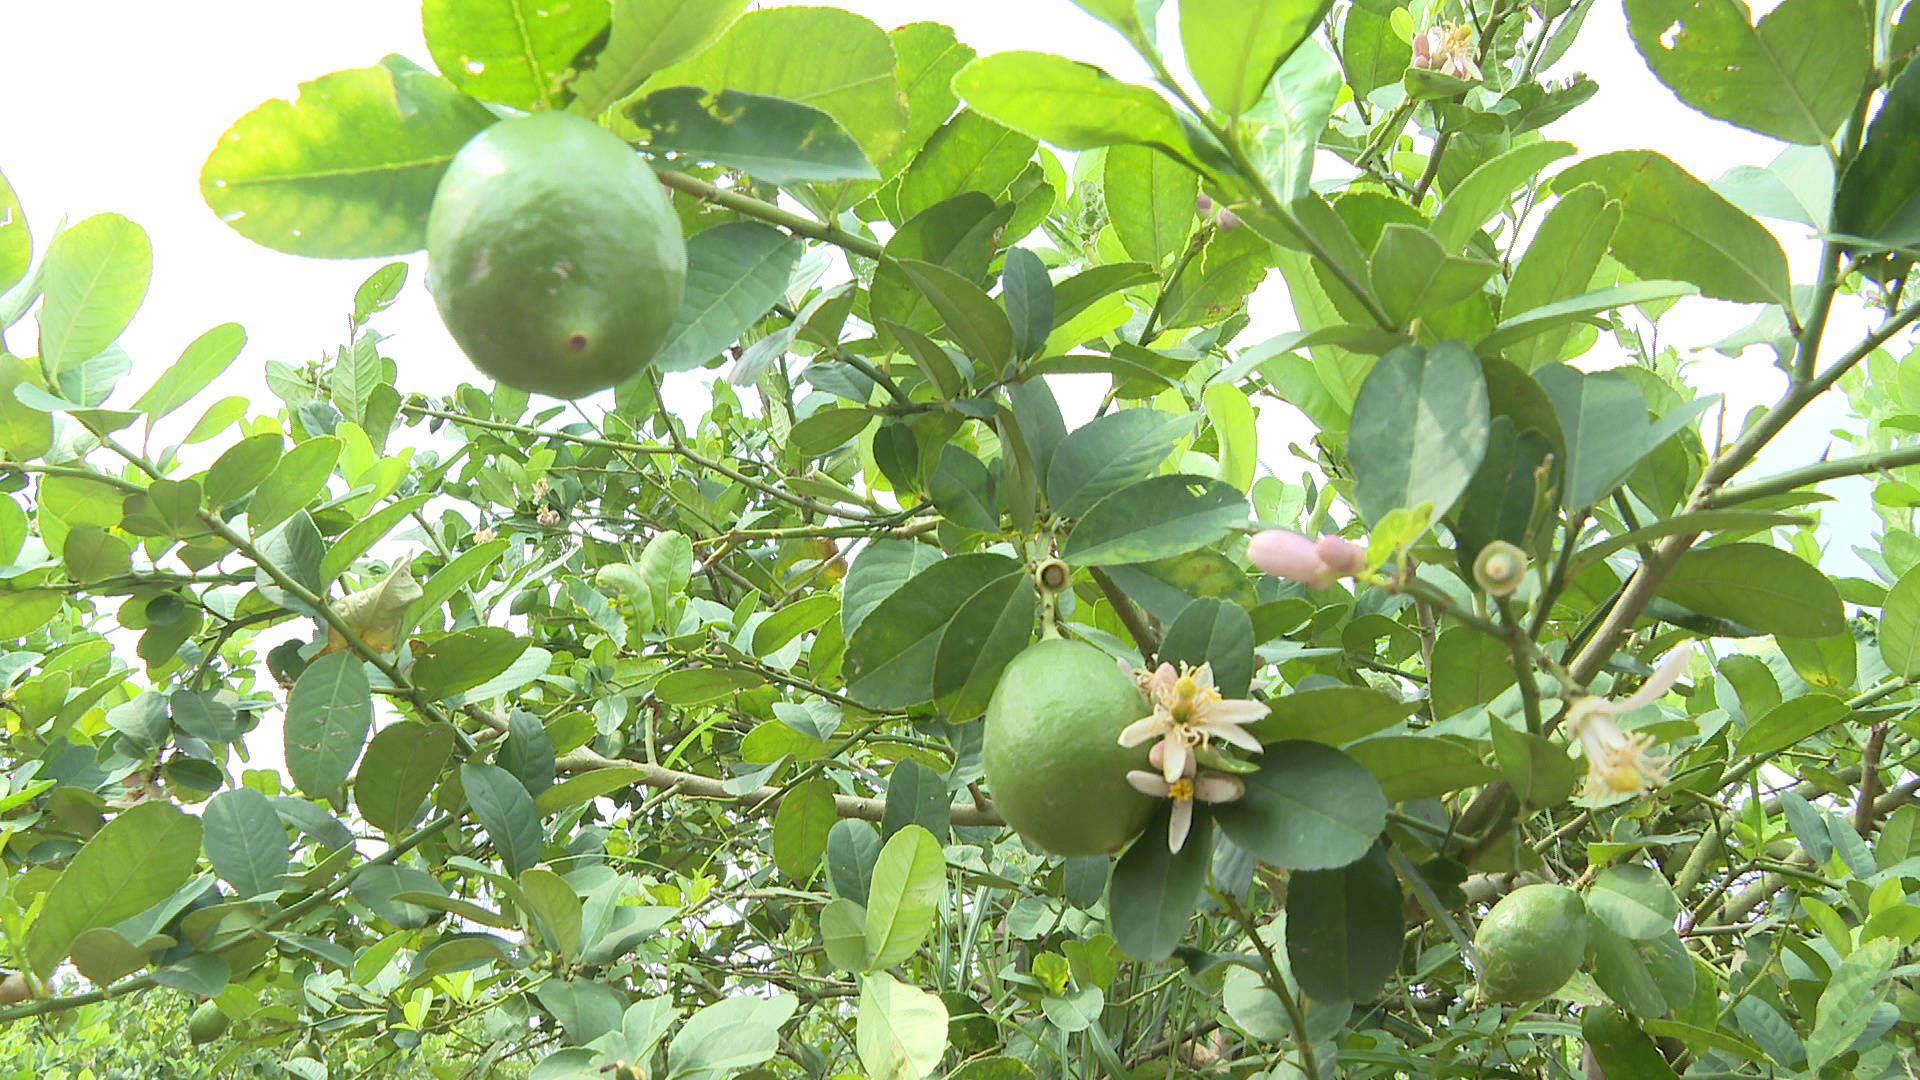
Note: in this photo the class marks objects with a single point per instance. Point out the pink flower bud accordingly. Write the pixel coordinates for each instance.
(1203, 204)
(1229, 221)
(1342, 556)
(1288, 555)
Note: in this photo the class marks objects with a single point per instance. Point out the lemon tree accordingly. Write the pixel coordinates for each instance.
(1220, 571)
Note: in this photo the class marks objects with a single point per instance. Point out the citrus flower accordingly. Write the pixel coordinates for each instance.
(1187, 711)
(1448, 49)
(1209, 787)
(1289, 555)
(1618, 764)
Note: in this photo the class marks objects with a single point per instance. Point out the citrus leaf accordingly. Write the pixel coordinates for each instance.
(1634, 901)
(1308, 807)
(1419, 431)
(1072, 105)
(1344, 928)
(16, 240)
(1234, 48)
(904, 897)
(510, 51)
(465, 659)
(346, 170)
(729, 1036)
(503, 807)
(1769, 590)
(1110, 453)
(776, 140)
(901, 1030)
(95, 276)
(203, 360)
(1154, 891)
(1214, 632)
(646, 36)
(1879, 195)
(135, 861)
(736, 272)
(245, 841)
(967, 153)
(1153, 519)
(890, 658)
(403, 763)
(800, 829)
(328, 715)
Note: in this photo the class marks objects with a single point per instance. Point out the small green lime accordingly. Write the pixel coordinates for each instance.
(1055, 767)
(553, 255)
(1531, 943)
(207, 1024)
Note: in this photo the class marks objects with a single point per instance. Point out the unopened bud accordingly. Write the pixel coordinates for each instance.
(1288, 555)
(1342, 556)
(1499, 568)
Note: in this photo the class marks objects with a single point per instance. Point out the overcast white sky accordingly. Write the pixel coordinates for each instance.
(112, 105)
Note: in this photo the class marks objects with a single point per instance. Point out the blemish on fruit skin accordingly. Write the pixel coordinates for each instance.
(578, 342)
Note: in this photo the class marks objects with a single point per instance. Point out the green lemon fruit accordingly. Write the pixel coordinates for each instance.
(1531, 943)
(208, 1023)
(554, 256)
(1056, 770)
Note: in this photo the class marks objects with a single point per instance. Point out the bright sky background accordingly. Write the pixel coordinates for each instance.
(128, 131)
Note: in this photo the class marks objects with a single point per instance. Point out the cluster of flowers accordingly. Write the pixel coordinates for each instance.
(1188, 711)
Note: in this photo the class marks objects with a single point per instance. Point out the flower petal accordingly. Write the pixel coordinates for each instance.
(1179, 823)
(1179, 760)
(1238, 736)
(1661, 681)
(1145, 728)
(1232, 711)
(1218, 787)
(1147, 783)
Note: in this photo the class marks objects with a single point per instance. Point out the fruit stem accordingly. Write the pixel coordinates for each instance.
(1051, 578)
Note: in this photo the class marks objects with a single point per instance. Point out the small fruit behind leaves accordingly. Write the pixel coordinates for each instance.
(1531, 943)
(1054, 764)
(554, 256)
(207, 1024)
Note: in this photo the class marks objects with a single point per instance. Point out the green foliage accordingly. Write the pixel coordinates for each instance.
(643, 738)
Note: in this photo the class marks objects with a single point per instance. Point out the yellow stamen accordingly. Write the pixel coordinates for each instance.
(1181, 789)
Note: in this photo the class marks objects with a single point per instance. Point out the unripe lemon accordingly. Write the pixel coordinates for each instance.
(554, 256)
(1531, 943)
(207, 1024)
(1054, 764)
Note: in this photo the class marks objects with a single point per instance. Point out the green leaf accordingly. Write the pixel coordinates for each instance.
(1371, 53)
(1419, 431)
(1217, 283)
(879, 571)
(465, 659)
(800, 829)
(1333, 715)
(1575, 310)
(402, 765)
(1156, 518)
(959, 234)
(929, 56)
(776, 140)
(1499, 502)
(802, 616)
(328, 715)
(556, 907)
(1674, 227)
(700, 686)
(985, 633)
(1796, 76)
(1879, 194)
(1620, 1049)
(206, 717)
(1233, 48)
(200, 363)
(1538, 769)
(736, 272)
(1769, 590)
(349, 168)
(135, 861)
(246, 841)
(834, 60)
(1027, 293)
(1071, 105)
(1790, 723)
(646, 36)
(1848, 1001)
(729, 1036)
(967, 153)
(1309, 807)
(904, 897)
(1603, 417)
(1292, 118)
(1209, 631)
(299, 476)
(1900, 625)
(890, 657)
(95, 276)
(26, 432)
(1150, 200)
(1154, 891)
(501, 804)
(1414, 276)
(1410, 767)
(1557, 265)
(1488, 190)
(513, 52)
(586, 786)
(1232, 418)
(16, 239)
(974, 322)
(1344, 928)
(901, 1030)
(1634, 901)
(1110, 453)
